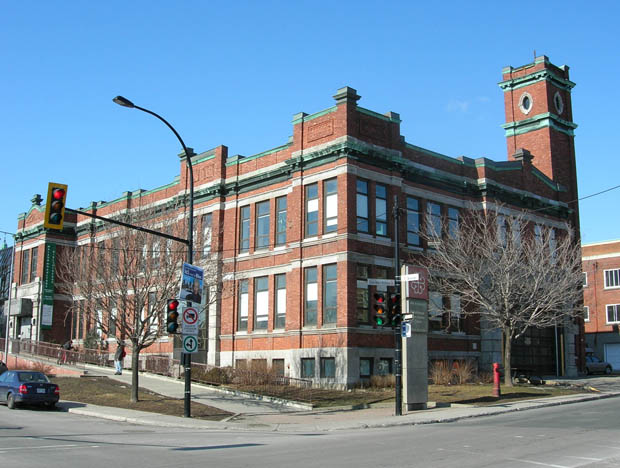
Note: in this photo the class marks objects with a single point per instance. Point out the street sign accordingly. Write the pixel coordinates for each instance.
(405, 330)
(411, 277)
(190, 321)
(381, 282)
(190, 344)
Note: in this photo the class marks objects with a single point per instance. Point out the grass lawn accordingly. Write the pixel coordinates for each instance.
(107, 392)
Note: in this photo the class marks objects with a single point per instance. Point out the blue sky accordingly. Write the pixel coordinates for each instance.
(235, 73)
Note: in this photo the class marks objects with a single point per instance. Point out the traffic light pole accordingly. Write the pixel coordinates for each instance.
(397, 338)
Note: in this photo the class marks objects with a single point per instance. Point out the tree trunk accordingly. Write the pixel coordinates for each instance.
(135, 359)
(507, 358)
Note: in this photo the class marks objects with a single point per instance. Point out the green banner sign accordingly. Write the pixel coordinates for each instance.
(49, 276)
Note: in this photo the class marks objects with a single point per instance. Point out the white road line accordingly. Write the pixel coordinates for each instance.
(584, 458)
(538, 463)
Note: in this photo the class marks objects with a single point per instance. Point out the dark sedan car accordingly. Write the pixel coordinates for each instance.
(27, 387)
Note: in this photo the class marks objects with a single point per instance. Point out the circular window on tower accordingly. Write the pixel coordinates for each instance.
(559, 103)
(525, 103)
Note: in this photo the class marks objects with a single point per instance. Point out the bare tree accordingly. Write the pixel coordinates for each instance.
(121, 280)
(512, 272)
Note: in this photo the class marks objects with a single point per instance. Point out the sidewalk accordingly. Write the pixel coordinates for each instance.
(260, 415)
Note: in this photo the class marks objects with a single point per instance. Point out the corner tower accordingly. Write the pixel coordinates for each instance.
(539, 118)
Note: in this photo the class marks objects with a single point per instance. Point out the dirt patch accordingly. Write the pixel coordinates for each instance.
(107, 392)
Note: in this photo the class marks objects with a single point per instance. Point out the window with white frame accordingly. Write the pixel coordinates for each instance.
(243, 305)
(155, 255)
(515, 232)
(281, 221)
(613, 313)
(413, 221)
(362, 205)
(262, 225)
(280, 302)
(538, 233)
(585, 279)
(586, 313)
(381, 210)
(244, 234)
(612, 278)
(33, 263)
(261, 303)
(330, 189)
(361, 294)
(25, 265)
(456, 319)
(312, 210)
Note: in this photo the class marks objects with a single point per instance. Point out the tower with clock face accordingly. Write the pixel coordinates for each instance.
(539, 119)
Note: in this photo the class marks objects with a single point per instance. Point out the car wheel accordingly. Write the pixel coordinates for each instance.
(10, 401)
(608, 370)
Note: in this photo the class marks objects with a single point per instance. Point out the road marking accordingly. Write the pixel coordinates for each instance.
(584, 458)
(538, 463)
(39, 447)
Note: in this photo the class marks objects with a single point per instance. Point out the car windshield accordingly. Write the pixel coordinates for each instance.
(36, 377)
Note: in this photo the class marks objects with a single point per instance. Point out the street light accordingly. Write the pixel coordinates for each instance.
(121, 101)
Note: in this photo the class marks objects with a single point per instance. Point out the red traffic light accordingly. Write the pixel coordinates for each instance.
(58, 193)
(55, 206)
(173, 304)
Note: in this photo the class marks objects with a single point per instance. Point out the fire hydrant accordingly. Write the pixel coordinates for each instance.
(496, 375)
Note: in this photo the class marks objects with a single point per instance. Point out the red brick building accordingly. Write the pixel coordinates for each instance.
(301, 228)
(601, 299)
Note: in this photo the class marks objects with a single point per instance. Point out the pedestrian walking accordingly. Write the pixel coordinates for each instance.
(62, 355)
(119, 355)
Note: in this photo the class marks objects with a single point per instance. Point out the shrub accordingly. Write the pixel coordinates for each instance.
(441, 372)
(464, 371)
(383, 381)
(218, 375)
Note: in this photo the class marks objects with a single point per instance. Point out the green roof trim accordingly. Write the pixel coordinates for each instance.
(437, 155)
(550, 183)
(540, 75)
(361, 110)
(537, 122)
(314, 116)
(498, 166)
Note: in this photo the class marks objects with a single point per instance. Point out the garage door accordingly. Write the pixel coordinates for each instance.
(612, 354)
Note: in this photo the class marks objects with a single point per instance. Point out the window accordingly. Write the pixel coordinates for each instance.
(435, 311)
(381, 210)
(280, 301)
(515, 232)
(585, 279)
(453, 221)
(456, 320)
(330, 293)
(328, 368)
(33, 263)
(307, 368)
(613, 313)
(612, 278)
(538, 233)
(552, 243)
(243, 305)
(277, 365)
(433, 219)
(384, 366)
(153, 313)
(261, 303)
(310, 278)
(262, 225)
(116, 253)
(361, 299)
(413, 221)
(501, 230)
(365, 368)
(206, 233)
(244, 237)
(362, 206)
(25, 265)
(112, 322)
(330, 189)
(281, 221)
(586, 313)
(155, 255)
(312, 210)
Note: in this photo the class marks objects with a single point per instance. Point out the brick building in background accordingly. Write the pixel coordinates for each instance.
(601, 299)
(301, 228)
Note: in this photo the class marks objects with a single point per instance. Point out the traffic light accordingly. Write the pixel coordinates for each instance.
(172, 316)
(381, 314)
(394, 310)
(55, 206)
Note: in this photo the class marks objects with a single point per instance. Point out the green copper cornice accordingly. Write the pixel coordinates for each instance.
(243, 159)
(540, 75)
(393, 117)
(307, 118)
(537, 122)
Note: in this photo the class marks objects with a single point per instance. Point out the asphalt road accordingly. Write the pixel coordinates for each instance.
(577, 435)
